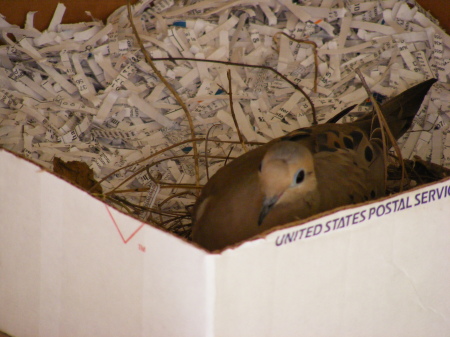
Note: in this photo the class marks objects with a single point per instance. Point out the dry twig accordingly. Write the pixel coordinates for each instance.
(230, 95)
(171, 89)
(237, 64)
(316, 57)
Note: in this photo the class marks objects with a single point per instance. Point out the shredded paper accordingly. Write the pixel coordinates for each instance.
(84, 92)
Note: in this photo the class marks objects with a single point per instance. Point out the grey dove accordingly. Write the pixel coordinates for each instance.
(305, 172)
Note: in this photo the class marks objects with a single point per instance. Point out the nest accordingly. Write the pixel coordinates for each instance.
(203, 124)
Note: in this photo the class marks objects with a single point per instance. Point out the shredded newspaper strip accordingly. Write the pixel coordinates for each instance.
(84, 92)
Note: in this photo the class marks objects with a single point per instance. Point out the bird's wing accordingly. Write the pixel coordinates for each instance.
(341, 180)
(349, 166)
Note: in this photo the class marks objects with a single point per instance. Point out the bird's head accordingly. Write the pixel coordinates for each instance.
(286, 175)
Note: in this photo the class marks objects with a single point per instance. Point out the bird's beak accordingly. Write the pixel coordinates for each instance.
(267, 206)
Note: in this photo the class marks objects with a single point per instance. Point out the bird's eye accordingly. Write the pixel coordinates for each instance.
(299, 177)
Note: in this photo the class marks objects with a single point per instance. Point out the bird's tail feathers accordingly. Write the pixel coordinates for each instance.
(398, 111)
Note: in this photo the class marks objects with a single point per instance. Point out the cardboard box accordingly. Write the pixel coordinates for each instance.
(72, 266)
